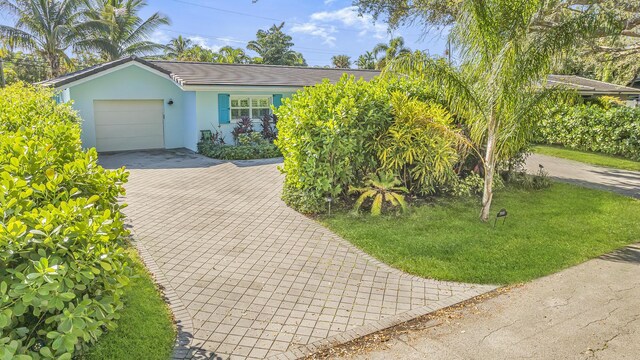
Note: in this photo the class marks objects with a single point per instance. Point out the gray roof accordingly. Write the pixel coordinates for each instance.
(200, 73)
(589, 86)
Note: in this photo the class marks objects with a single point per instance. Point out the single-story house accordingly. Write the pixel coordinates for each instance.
(133, 104)
(593, 88)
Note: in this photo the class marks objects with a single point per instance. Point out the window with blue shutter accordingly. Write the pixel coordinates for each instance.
(277, 100)
(224, 115)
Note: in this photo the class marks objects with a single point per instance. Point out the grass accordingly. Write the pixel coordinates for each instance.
(145, 328)
(588, 157)
(546, 231)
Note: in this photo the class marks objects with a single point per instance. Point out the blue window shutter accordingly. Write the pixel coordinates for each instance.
(277, 100)
(224, 111)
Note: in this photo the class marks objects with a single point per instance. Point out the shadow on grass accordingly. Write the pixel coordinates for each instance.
(629, 254)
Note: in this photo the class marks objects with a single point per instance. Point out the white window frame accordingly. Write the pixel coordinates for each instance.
(251, 108)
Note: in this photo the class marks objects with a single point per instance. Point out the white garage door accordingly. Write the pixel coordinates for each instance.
(128, 124)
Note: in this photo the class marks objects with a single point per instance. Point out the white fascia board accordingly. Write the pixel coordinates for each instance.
(241, 88)
(114, 69)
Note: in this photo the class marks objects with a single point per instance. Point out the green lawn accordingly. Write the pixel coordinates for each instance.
(588, 157)
(546, 231)
(145, 329)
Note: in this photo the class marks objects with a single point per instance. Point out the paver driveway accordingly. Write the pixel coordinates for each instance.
(256, 278)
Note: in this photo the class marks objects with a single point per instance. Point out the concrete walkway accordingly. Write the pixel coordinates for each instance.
(591, 311)
(248, 277)
(624, 182)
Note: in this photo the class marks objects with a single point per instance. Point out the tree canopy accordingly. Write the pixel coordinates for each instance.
(275, 47)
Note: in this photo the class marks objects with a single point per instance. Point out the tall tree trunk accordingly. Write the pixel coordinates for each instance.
(489, 168)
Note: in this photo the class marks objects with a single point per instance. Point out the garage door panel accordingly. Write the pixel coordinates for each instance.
(128, 131)
(122, 144)
(128, 124)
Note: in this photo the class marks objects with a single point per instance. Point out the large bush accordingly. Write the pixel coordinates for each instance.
(611, 130)
(62, 262)
(333, 136)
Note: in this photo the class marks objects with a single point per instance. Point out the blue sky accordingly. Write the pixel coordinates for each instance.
(320, 28)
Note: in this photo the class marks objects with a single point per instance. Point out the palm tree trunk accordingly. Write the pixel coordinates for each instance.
(489, 168)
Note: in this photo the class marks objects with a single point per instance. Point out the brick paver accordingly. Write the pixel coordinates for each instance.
(256, 278)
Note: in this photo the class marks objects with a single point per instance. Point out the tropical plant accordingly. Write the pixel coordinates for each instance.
(341, 61)
(197, 53)
(48, 28)
(274, 47)
(114, 29)
(507, 50)
(389, 51)
(421, 144)
(230, 55)
(176, 48)
(19, 66)
(382, 188)
(269, 123)
(244, 126)
(63, 263)
(366, 61)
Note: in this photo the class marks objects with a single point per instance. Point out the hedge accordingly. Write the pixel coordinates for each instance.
(63, 266)
(592, 127)
(333, 136)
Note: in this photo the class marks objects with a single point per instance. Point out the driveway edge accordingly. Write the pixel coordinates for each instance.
(182, 318)
(391, 321)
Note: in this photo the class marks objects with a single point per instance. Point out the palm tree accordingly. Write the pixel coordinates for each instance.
(389, 51)
(366, 61)
(45, 27)
(177, 47)
(341, 61)
(117, 31)
(230, 55)
(507, 49)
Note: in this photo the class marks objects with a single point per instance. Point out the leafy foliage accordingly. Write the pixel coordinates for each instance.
(324, 133)
(269, 123)
(63, 266)
(333, 135)
(420, 144)
(45, 27)
(341, 61)
(592, 127)
(244, 126)
(274, 47)
(507, 49)
(115, 30)
(383, 188)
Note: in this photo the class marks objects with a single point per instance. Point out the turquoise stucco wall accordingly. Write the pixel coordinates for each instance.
(207, 110)
(191, 111)
(131, 83)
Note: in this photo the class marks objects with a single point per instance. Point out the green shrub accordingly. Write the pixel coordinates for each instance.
(333, 135)
(591, 127)
(325, 134)
(239, 152)
(62, 260)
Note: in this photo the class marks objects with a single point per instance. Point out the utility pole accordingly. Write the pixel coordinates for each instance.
(2, 83)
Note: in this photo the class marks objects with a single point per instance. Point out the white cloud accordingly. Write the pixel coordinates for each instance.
(160, 37)
(329, 2)
(320, 31)
(203, 42)
(350, 18)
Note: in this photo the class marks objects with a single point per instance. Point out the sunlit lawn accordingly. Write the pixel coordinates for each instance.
(145, 329)
(545, 231)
